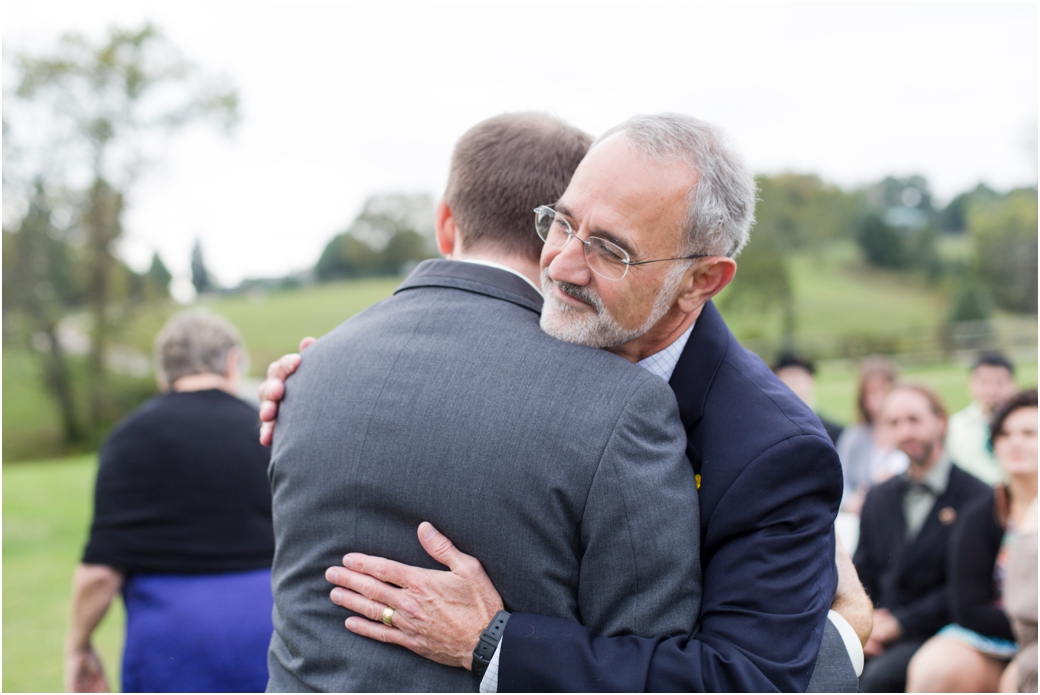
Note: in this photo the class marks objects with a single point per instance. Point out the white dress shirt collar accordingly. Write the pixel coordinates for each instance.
(492, 264)
(663, 363)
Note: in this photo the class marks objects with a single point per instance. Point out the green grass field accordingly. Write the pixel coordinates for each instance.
(46, 517)
(46, 513)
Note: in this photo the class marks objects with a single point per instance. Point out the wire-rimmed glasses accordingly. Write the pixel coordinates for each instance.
(605, 258)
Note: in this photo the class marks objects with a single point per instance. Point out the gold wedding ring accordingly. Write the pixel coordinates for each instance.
(388, 616)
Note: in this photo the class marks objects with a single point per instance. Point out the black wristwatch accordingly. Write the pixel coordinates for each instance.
(488, 643)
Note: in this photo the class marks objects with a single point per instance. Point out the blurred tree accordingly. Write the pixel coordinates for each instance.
(909, 191)
(345, 257)
(38, 281)
(1005, 239)
(159, 277)
(391, 232)
(795, 211)
(200, 277)
(764, 283)
(882, 244)
(971, 301)
(800, 210)
(954, 217)
(102, 105)
(103, 226)
(405, 247)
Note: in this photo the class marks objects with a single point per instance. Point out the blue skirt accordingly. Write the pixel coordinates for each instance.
(197, 632)
(991, 646)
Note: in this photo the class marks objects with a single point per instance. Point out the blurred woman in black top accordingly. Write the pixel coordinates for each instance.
(971, 654)
(182, 526)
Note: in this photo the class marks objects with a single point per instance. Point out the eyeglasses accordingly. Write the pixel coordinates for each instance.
(605, 258)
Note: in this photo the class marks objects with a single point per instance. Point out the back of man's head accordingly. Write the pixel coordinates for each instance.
(501, 170)
(993, 359)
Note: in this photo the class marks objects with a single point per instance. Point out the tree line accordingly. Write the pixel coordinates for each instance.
(88, 117)
(91, 114)
(897, 227)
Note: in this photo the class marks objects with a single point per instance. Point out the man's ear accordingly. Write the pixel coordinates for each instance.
(446, 231)
(705, 279)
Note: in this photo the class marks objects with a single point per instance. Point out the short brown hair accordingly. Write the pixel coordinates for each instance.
(505, 167)
(935, 403)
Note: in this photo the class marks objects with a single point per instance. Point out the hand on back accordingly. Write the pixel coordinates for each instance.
(272, 390)
(438, 614)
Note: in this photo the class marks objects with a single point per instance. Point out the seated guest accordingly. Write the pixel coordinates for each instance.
(867, 456)
(904, 533)
(971, 654)
(991, 383)
(799, 375)
(1020, 605)
(182, 526)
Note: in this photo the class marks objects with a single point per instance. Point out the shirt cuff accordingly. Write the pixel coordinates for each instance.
(489, 683)
(848, 636)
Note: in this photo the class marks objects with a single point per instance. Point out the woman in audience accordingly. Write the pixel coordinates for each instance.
(1020, 605)
(971, 654)
(182, 526)
(867, 457)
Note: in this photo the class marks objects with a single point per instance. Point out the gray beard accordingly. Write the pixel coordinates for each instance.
(573, 325)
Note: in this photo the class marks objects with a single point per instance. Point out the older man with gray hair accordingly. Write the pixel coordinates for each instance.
(657, 211)
(182, 526)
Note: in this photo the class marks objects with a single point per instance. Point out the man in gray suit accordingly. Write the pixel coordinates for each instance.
(833, 660)
(562, 467)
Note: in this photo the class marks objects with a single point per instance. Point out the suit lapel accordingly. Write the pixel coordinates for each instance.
(695, 371)
(892, 512)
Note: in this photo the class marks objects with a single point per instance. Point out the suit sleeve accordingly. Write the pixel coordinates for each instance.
(768, 583)
(640, 532)
(973, 552)
(924, 616)
(863, 558)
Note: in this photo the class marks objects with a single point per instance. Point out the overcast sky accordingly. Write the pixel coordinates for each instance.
(343, 100)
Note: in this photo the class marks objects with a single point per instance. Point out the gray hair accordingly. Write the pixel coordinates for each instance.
(197, 342)
(721, 207)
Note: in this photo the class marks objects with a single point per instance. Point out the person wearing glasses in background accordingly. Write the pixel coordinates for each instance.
(633, 251)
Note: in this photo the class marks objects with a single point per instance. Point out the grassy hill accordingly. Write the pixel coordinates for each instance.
(835, 295)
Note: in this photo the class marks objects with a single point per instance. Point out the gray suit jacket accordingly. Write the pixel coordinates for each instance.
(561, 467)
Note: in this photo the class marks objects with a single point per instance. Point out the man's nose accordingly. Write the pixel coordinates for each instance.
(569, 264)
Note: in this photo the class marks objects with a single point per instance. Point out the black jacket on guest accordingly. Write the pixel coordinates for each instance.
(973, 553)
(910, 578)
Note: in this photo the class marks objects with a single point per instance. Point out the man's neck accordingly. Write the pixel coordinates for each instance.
(920, 470)
(665, 332)
(527, 268)
(203, 382)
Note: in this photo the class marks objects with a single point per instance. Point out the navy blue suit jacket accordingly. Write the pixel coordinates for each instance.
(770, 488)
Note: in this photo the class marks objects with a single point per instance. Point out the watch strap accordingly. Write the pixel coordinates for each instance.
(488, 643)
